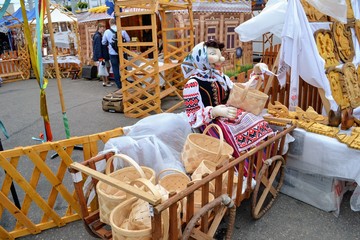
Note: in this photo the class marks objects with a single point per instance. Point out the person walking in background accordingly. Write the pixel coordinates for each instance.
(101, 55)
(108, 39)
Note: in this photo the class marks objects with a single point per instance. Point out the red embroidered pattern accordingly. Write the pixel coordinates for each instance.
(191, 84)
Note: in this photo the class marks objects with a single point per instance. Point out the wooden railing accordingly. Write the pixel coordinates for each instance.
(43, 185)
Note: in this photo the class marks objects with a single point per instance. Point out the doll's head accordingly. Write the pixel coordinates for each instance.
(204, 58)
(213, 51)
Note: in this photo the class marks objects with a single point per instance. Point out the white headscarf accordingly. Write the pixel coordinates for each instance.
(197, 64)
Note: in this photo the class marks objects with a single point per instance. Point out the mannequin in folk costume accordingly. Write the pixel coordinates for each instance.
(206, 94)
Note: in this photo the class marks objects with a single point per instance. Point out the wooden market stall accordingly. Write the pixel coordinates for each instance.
(148, 76)
(217, 20)
(67, 43)
(15, 61)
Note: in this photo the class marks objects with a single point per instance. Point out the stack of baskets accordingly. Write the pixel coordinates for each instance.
(109, 197)
(131, 219)
(199, 147)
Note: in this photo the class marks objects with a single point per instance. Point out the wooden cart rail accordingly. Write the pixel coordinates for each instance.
(254, 159)
(46, 195)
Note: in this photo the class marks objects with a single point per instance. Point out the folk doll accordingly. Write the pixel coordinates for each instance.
(206, 93)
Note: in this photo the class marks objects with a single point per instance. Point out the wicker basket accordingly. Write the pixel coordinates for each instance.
(200, 147)
(109, 197)
(122, 224)
(210, 167)
(248, 99)
(174, 181)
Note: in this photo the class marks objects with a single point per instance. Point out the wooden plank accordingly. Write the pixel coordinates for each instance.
(10, 74)
(5, 235)
(117, 184)
(34, 180)
(8, 180)
(217, 220)
(205, 200)
(268, 187)
(57, 183)
(54, 193)
(22, 182)
(172, 5)
(44, 226)
(167, 91)
(18, 214)
(199, 235)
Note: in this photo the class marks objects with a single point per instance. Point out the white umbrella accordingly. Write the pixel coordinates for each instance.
(58, 16)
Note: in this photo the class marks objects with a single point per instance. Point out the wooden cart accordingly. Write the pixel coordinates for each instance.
(269, 176)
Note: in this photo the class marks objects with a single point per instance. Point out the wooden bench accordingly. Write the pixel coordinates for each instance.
(9, 69)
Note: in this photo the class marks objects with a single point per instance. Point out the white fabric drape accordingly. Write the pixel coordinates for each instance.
(276, 11)
(260, 24)
(299, 52)
(334, 8)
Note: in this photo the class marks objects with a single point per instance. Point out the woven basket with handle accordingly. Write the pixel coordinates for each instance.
(248, 99)
(125, 223)
(200, 147)
(109, 197)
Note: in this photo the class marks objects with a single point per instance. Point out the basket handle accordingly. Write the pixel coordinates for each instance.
(149, 185)
(157, 194)
(170, 170)
(246, 89)
(127, 159)
(221, 135)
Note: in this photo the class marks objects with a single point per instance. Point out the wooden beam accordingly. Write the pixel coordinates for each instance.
(117, 183)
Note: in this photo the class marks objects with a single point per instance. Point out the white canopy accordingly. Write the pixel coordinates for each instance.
(58, 16)
(260, 24)
(272, 17)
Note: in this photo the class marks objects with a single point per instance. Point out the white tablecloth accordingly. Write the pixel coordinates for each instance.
(327, 156)
(61, 59)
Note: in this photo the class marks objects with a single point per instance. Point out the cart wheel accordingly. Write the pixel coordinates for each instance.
(195, 233)
(268, 184)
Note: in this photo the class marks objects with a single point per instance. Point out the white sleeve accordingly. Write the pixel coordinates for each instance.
(196, 112)
(126, 36)
(104, 40)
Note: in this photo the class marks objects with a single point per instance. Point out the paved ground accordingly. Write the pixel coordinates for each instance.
(19, 111)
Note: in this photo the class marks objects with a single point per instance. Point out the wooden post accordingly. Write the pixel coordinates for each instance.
(12, 187)
(58, 80)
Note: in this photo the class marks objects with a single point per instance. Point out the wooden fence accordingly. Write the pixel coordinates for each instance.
(43, 184)
(15, 65)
